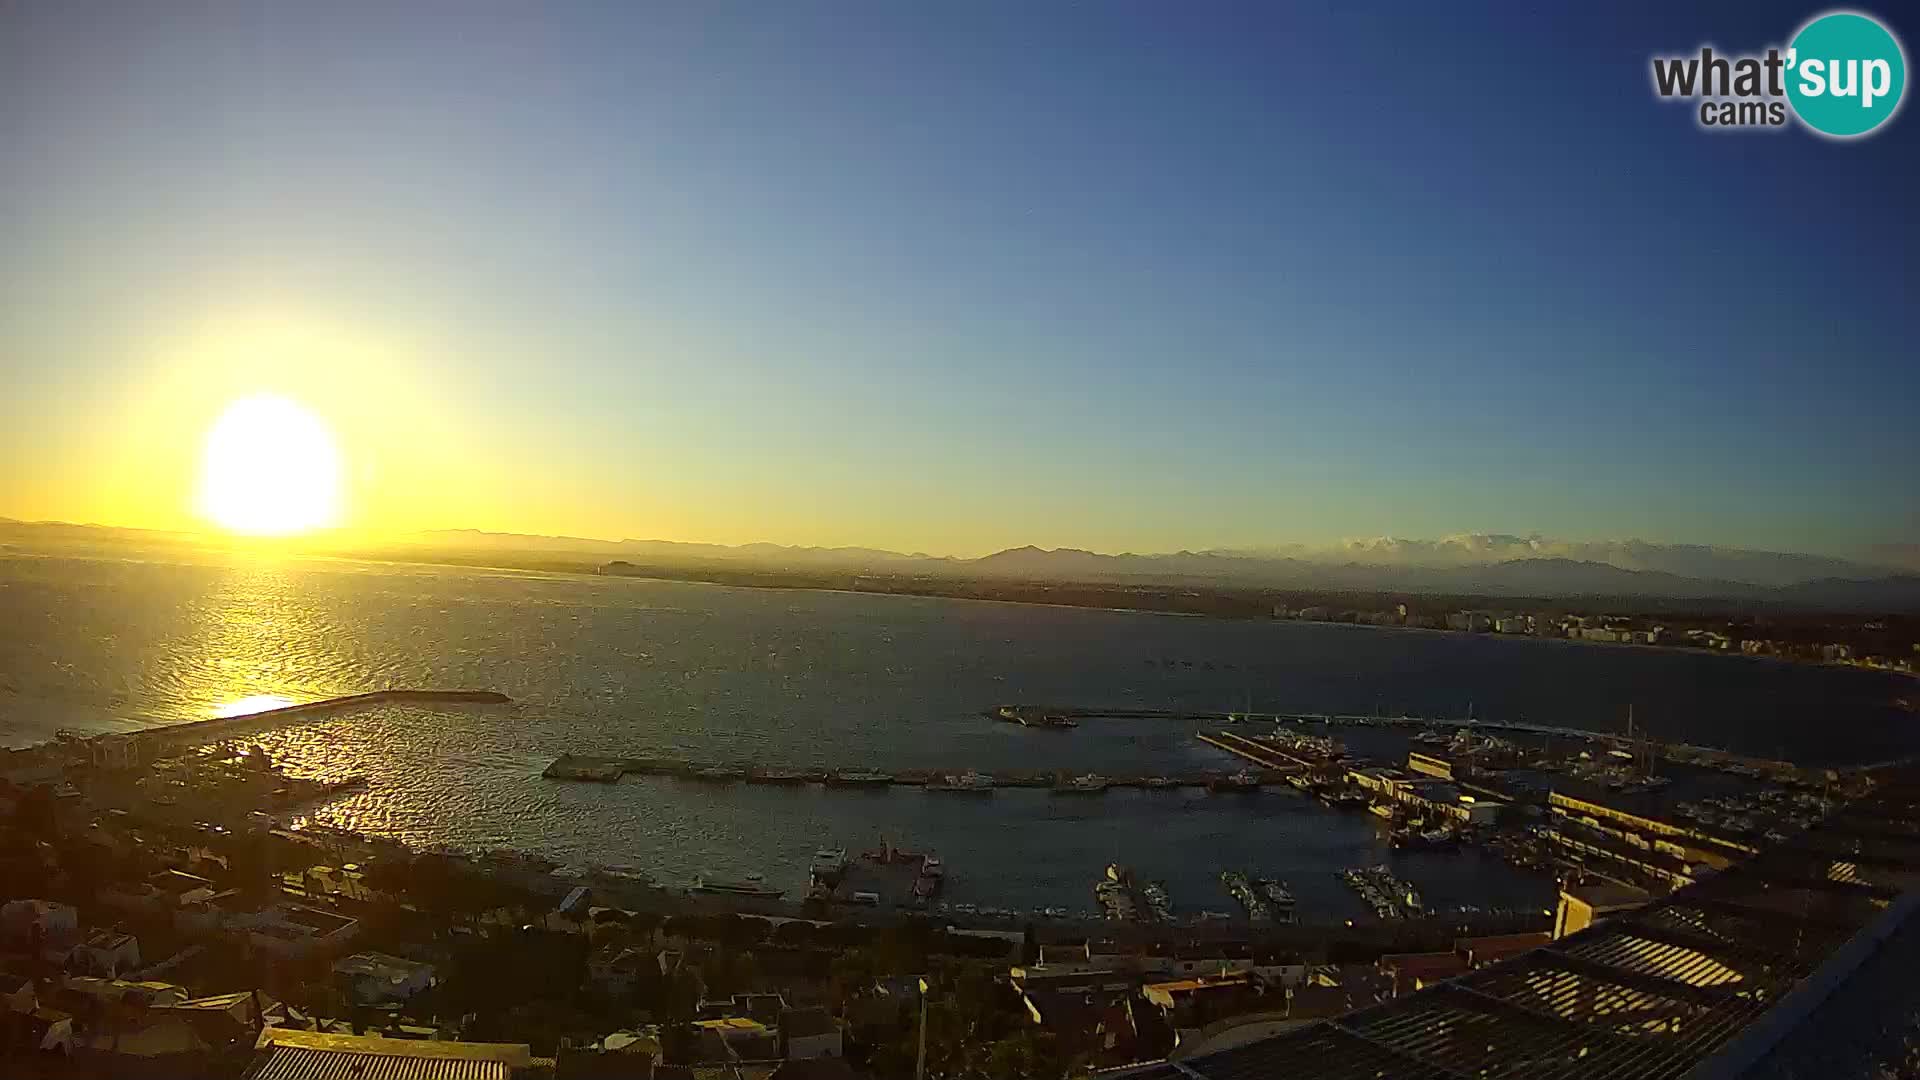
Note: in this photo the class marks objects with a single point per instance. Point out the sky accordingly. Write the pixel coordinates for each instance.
(956, 277)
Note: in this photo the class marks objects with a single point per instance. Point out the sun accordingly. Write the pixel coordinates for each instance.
(271, 468)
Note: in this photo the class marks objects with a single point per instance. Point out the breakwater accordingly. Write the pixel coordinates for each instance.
(131, 748)
(607, 770)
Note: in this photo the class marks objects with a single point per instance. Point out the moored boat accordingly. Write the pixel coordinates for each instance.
(752, 887)
(1089, 784)
(970, 782)
(858, 778)
(1244, 780)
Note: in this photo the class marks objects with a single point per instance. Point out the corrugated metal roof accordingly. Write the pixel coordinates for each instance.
(304, 1063)
(289, 1054)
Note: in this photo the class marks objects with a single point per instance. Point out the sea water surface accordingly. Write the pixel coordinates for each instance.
(791, 677)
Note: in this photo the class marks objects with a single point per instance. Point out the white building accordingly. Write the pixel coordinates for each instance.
(375, 978)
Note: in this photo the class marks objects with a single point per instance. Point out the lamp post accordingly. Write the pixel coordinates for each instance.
(920, 1061)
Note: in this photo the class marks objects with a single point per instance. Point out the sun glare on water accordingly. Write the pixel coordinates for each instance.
(271, 469)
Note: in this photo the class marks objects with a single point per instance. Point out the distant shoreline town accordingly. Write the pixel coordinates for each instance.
(1863, 645)
(1889, 643)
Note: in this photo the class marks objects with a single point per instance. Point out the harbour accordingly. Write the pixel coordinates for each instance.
(833, 743)
(1677, 752)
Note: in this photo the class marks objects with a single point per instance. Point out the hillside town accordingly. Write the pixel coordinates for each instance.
(162, 918)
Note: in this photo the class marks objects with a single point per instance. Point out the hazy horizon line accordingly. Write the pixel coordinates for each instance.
(1456, 548)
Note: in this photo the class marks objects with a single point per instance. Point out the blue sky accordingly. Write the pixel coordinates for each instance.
(956, 277)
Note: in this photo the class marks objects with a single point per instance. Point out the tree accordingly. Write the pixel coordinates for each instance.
(1028, 1053)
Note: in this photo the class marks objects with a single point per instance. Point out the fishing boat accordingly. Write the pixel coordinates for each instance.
(1243, 781)
(966, 783)
(828, 864)
(752, 887)
(1348, 800)
(858, 778)
(1089, 784)
(776, 776)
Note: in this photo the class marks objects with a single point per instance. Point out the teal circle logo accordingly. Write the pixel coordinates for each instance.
(1846, 74)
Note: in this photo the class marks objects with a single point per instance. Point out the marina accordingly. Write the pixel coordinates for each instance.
(1677, 752)
(1264, 901)
(1389, 896)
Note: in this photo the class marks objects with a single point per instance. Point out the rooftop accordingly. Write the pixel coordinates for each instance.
(282, 1054)
(379, 965)
(1720, 977)
(1606, 895)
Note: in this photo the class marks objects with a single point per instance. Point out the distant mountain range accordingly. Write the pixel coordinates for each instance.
(1472, 564)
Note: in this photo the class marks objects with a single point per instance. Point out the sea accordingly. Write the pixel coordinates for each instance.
(626, 666)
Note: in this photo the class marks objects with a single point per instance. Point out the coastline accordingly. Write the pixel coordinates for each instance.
(1227, 603)
(694, 577)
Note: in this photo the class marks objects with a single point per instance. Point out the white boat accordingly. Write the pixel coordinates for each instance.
(753, 887)
(620, 873)
(829, 862)
(1090, 784)
(859, 778)
(969, 782)
(1244, 780)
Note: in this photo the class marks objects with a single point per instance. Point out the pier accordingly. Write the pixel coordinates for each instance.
(607, 770)
(1680, 753)
(1267, 757)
